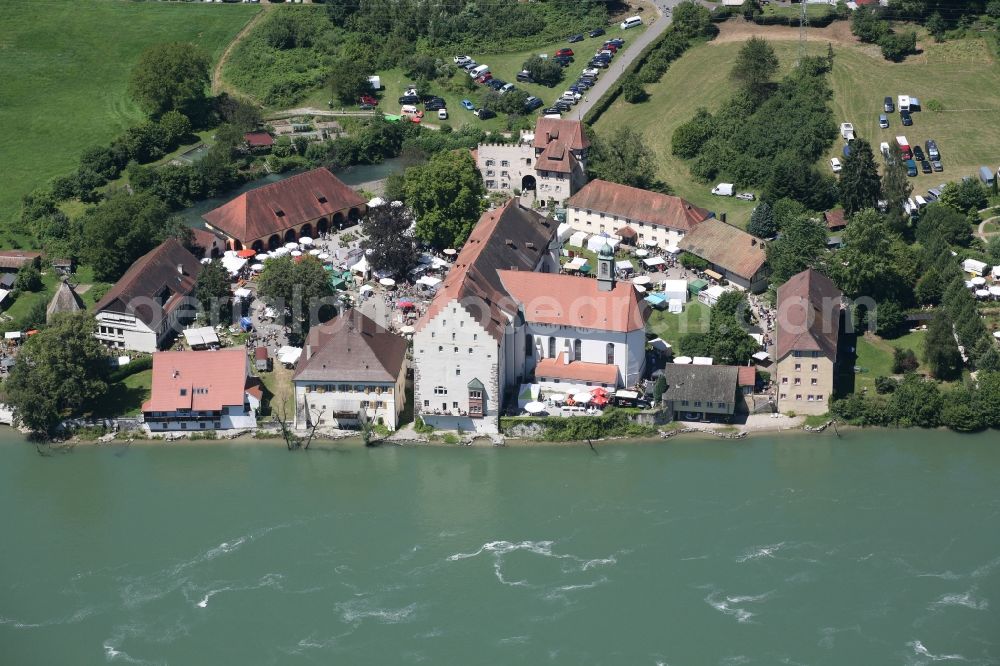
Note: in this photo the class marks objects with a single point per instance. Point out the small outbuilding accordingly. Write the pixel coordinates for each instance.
(262, 359)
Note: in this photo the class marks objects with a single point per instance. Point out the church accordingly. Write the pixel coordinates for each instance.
(505, 317)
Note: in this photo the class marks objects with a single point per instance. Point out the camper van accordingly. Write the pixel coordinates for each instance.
(904, 103)
(476, 72)
(884, 147)
(631, 22)
(904, 145)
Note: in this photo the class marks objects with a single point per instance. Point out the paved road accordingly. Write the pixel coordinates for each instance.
(634, 48)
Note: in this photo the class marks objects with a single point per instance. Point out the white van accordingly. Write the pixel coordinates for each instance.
(442, 114)
(408, 110)
(631, 22)
(479, 71)
(904, 102)
(723, 190)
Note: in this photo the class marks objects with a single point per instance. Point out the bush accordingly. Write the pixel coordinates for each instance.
(885, 385)
(896, 46)
(632, 90)
(903, 361)
(613, 423)
(693, 262)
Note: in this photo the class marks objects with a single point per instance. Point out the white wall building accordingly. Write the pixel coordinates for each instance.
(504, 317)
(551, 161)
(349, 368)
(150, 302)
(637, 217)
(195, 391)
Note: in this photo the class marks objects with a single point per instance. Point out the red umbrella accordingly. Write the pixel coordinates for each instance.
(599, 391)
(406, 305)
(600, 400)
(246, 254)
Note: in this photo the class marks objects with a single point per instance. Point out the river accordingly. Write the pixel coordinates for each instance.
(880, 547)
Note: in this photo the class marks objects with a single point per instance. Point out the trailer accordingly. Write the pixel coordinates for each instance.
(847, 131)
(904, 145)
(904, 103)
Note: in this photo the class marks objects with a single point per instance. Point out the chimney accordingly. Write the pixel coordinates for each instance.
(510, 243)
(176, 373)
(180, 269)
(753, 242)
(309, 352)
(548, 136)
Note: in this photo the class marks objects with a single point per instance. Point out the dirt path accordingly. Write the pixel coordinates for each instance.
(981, 230)
(738, 30)
(218, 84)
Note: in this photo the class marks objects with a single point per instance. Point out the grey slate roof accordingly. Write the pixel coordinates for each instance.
(715, 383)
(351, 348)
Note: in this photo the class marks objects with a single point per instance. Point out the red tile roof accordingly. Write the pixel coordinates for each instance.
(17, 258)
(638, 205)
(569, 132)
(197, 380)
(273, 208)
(474, 282)
(726, 246)
(569, 300)
(258, 139)
(747, 376)
(556, 158)
(808, 314)
(577, 371)
(835, 219)
(152, 274)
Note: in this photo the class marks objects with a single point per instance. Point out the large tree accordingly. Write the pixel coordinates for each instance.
(859, 184)
(866, 265)
(347, 81)
(58, 371)
(762, 223)
(755, 64)
(801, 243)
(941, 219)
(544, 71)
(446, 195)
(299, 290)
(388, 243)
(896, 187)
(213, 293)
(121, 229)
(966, 196)
(623, 157)
(940, 348)
(171, 77)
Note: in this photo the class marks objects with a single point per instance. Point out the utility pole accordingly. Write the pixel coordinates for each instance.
(803, 20)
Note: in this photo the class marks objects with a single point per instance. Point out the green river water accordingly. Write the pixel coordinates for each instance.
(874, 548)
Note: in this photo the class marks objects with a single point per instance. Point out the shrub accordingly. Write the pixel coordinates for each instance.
(903, 361)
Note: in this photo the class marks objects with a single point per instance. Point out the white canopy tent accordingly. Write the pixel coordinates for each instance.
(675, 289)
(289, 355)
(575, 264)
(654, 261)
(578, 239)
(641, 280)
(711, 295)
(232, 263)
(624, 265)
(375, 202)
(242, 292)
(429, 281)
(683, 360)
(702, 360)
(564, 231)
(659, 344)
(996, 272)
(675, 306)
(974, 266)
(673, 249)
(595, 243)
(201, 337)
(362, 267)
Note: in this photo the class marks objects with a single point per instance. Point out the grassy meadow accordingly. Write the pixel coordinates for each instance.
(65, 66)
(962, 76)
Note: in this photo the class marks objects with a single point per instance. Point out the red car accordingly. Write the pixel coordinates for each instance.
(368, 99)
(564, 52)
(484, 78)
(611, 47)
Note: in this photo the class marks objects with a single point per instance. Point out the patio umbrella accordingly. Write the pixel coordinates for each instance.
(639, 288)
(246, 254)
(649, 243)
(582, 398)
(305, 240)
(982, 293)
(642, 252)
(314, 252)
(557, 397)
(292, 246)
(296, 253)
(978, 281)
(600, 390)
(387, 282)
(257, 268)
(323, 255)
(406, 305)
(600, 400)
(407, 330)
(534, 407)
(451, 252)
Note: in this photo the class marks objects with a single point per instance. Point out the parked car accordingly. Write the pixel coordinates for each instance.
(575, 38)
(607, 53)
(597, 32)
(565, 61)
(631, 22)
(532, 103)
(563, 105)
(494, 84)
(932, 149)
(918, 153)
(564, 52)
(905, 118)
(835, 165)
(409, 99)
(582, 84)
(591, 71)
(366, 107)
(552, 111)
(506, 88)
(883, 121)
(889, 106)
(434, 104)
(368, 99)
(485, 114)
(745, 196)
(524, 77)
(611, 47)
(468, 106)
(606, 57)
(461, 59)
(936, 165)
(469, 66)
(911, 168)
(925, 166)
(933, 194)
(601, 64)
(442, 114)
(617, 41)
(485, 78)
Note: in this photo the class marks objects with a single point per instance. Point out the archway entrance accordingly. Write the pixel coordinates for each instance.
(274, 242)
(258, 246)
(290, 236)
(528, 183)
(322, 226)
(306, 230)
(338, 220)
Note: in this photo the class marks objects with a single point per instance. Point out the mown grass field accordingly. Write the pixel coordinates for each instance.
(64, 68)
(963, 76)
(673, 327)
(503, 66)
